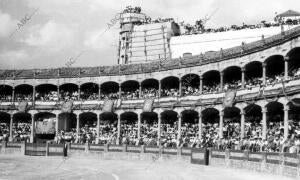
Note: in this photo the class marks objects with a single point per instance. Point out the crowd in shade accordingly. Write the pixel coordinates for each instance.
(169, 92)
(149, 92)
(21, 132)
(199, 28)
(187, 89)
(4, 132)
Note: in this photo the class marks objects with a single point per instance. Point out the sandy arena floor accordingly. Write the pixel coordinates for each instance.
(25, 167)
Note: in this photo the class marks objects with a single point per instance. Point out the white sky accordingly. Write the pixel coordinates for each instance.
(62, 29)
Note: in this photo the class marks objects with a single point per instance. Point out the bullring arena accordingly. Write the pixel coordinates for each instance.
(231, 113)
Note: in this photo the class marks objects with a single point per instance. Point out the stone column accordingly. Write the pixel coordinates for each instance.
(99, 92)
(11, 128)
(201, 84)
(13, 95)
(120, 91)
(79, 92)
(221, 80)
(180, 87)
(221, 123)
(33, 96)
(159, 88)
(264, 123)
(264, 65)
(242, 123)
(56, 125)
(119, 129)
(286, 67)
(32, 129)
(58, 93)
(98, 128)
(77, 125)
(200, 124)
(140, 90)
(286, 121)
(159, 128)
(179, 116)
(243, 77)
(139, 125)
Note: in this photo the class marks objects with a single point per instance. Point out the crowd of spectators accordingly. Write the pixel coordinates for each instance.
(170, 92)
(23, 97)
(68, 95)
(199, 27)
(149, 92)
(46, 96)
(21, 132)
(4, 132)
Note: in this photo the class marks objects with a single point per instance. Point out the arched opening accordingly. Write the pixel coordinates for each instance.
(44, 126)
(150, 88)
(23, 92)
(274, 69)
(89, 91)
(88, 127)
(169, 127)
(274, 120)
(46, 92)
(130, 90)
(253, 118)
(211, 82)
(69, 92)
(232, 123)
(210, 127)
(110, 90)
(294, 62)
(148, 134)
(5, 93)
(232, 78)
(108, 128)
(170, 86)
(21, 126)
(190, 84)
(67, 126)
(129, 128)
(253, 74)
(294, 117)
(189, 127)
(4, 126)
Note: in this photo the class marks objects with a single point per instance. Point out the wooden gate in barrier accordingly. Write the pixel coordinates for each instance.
(200, 156)
(41, 149)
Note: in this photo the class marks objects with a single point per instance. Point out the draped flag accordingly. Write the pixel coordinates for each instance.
(108, 106)
(67, 107)
(229, 98)
(148, 105)
(23, 106)
(47, 126)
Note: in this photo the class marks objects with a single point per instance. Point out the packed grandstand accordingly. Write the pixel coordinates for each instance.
(188, 98)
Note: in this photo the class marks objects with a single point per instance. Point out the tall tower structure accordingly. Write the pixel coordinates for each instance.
(128, 19)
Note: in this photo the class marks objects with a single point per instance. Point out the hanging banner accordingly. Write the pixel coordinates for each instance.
(67, 107)
(47, 126)
(148, 105)
(108, 106)
(23, 106)
(229, 98)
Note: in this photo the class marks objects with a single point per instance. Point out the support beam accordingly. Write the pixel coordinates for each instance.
(56, 125)
(140, 90)
(99, 92)
(139, 125)
(243, 77)
(77, 125)
(119, 129)
(98, 128)
(221, 123)
(159, 128)
(264, 123)
(120, 91)
(264, 66)
(201, 85)
(242, 123)
(11, 128)
(32, 129)
(286, 122)
(179, 116)
(286, 68)
(200, 130)
(221, 80)
(159, 89)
